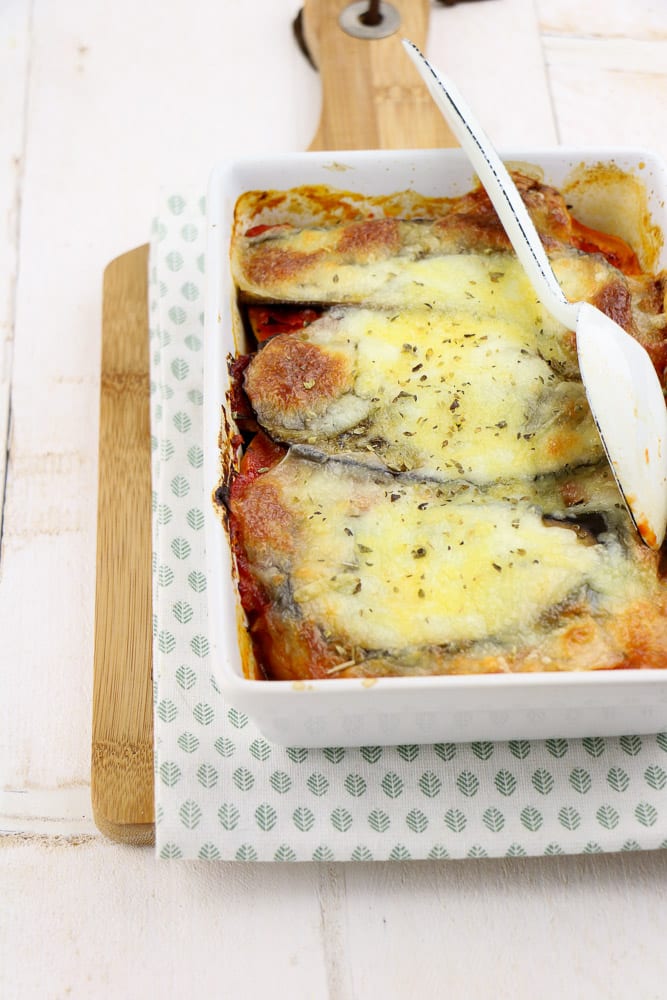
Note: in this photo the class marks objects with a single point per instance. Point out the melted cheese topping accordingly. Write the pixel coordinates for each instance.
(472, 393)
(411, 264)
(383, 566)
(436, 361)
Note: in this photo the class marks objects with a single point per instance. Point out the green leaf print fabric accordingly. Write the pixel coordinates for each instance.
(224, 792)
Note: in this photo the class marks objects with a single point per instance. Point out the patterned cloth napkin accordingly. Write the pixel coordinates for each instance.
(225, 792)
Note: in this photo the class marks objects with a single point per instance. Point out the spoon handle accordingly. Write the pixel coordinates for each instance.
(500, 187)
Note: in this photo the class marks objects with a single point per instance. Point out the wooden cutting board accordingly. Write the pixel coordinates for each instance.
(122, 739)
(372, 98)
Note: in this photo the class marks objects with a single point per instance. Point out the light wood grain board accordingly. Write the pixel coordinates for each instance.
(122, 747)
(372, 98)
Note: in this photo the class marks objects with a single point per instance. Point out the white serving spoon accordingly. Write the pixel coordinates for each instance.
(622, 387)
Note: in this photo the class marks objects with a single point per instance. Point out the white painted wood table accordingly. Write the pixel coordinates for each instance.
(100, 104)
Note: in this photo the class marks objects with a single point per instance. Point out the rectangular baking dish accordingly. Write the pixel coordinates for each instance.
(353, 712)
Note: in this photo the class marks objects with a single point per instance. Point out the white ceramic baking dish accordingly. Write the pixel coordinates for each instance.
(342, 712)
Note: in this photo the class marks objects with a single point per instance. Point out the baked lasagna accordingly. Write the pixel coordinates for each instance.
(417, 484)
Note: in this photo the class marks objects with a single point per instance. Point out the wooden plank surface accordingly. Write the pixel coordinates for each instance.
(14, 32)
(122, 739)
(110, 921)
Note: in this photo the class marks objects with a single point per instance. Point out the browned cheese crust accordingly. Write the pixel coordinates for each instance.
(427, 493)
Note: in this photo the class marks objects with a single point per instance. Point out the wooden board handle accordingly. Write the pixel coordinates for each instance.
(372, 96)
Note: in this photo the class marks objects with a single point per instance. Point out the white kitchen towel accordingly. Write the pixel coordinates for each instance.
(225, 792)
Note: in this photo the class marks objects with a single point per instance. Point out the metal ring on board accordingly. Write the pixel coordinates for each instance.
(351, 22)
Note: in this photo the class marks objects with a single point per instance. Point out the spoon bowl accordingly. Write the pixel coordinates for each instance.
(622, 387)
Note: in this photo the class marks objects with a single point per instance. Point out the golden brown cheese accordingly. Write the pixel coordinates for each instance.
(429, 494)
(480, 386)
(344, 258)
(399, 577)
(384, 262)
